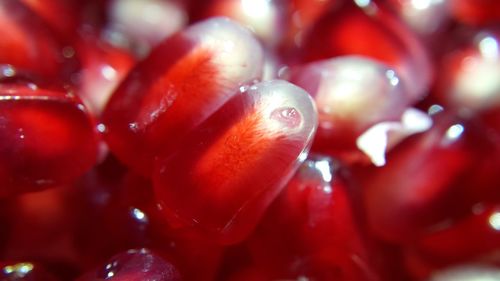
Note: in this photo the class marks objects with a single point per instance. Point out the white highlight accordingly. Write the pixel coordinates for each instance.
(488, 47)
(454, 132)
(494, 221)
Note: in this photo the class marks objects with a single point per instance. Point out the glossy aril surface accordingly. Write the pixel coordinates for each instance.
(369, 29)
(134, 265)
(48, 138)
(469, 80)
(352, 94)
(428, 179)
(479, 12)
(182, 82)
(233, 165)
(29, 45)
(311, 230)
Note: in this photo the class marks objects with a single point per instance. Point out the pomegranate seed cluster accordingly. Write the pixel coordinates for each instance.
(250, 140)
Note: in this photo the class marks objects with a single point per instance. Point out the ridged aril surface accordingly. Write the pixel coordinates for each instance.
(232, 166)
(48, 138)
(183, 81)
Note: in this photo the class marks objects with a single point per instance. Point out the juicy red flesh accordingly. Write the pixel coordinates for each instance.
(48, 139)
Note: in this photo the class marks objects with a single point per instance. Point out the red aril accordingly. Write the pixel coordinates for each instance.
(230, 168)
(369, 29)
(476, 12)
(429, 178)
(352, 94)
(134, 265)
(184, 80)
(103, 68)
(311, 230)
(469, 72)
(48, 138)
(29, 45)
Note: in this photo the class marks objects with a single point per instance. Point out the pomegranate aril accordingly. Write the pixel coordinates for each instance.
(428, 179)
(129, 208)
(469, 73)
(370, 30)
(132, 265)
(266, 18)
(24, 271)
(452, 244)
(184, 80)
(103, 68)
(144, 24)
(232, 166)
(311, 231)
(48, 138)
(352, 94)
(476, 12)
(29, 45)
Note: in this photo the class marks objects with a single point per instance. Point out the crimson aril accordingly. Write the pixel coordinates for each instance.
(182, 82)
(311, 230)
(476, 12)
(40, 228)
(370, 29)
(67, 16)
(231, 167)
(29, 45)
(24, 271)
(429, 178)
(469, 72)
(108, 209)
(103, 67)
(134, 265)
(451, 244)
(352, 94)
(48, 138)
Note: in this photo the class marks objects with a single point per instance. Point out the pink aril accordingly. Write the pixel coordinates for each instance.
(48, 138)
(142, 25)
(352, 94)
(230, 168)
(469, 73)
(184, 80)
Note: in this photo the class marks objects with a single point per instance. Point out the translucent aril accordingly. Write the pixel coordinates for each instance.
(183, 81)
(230, 167)
(48, 138)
